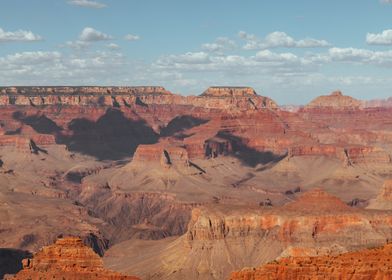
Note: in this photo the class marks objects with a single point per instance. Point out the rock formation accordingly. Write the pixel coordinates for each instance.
(336, 100)
(68, 258)
(364, 264)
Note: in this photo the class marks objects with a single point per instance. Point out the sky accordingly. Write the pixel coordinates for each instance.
(291, 51)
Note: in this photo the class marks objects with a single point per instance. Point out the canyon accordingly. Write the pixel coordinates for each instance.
(165, 186)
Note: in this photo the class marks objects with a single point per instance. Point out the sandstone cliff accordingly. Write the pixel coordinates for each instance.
(224, 238)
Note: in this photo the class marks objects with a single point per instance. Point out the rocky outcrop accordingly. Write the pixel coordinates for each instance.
(364, 264)
(336, 100)
(67, 259)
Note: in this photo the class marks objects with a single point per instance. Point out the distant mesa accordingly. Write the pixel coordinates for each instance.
(317, 200)
(229, 92)
(335, 100)
(68, 258)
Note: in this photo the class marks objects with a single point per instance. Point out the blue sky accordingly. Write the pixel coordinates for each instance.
(291, 51)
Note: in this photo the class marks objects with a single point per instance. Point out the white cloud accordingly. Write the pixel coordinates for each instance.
(386, 1)
(87, 4)
(90, 35)
(131, 37)
(381, 58)
(77, 45)
(383, 38)
(18, 36)
(183, 59)
(264, 61)
(48, 68)
(113, 46)
(267, 55)
(279, 39)
(219, 45)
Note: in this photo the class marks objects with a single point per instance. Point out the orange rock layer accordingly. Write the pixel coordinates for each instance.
(365, 264)
(67, 259)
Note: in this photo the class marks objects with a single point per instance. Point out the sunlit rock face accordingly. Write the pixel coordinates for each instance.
(68, 258)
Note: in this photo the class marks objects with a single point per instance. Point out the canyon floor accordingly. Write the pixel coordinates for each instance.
(164, 186)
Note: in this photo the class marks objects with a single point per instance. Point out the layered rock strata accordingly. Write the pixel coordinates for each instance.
(364, 264)
(67, 259)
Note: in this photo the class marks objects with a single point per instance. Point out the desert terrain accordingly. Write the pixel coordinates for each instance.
(166, 186)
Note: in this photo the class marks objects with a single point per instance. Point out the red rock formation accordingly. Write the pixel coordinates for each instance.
(365, 264)
(67, 259)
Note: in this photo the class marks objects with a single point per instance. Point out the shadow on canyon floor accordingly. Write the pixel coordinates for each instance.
(247, 155)
(112, 136)
(39, 123)
(11, 260)
(180, 124)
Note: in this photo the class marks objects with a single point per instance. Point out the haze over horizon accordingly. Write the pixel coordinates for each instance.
(290, 54)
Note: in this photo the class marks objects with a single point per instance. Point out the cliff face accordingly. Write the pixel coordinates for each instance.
(365, 264)
(304, 226)
(126, 96)
(222, 238)
(68, 258)
(315, 224)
